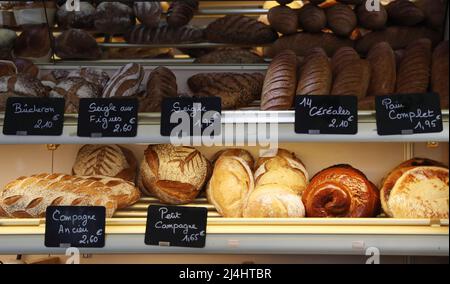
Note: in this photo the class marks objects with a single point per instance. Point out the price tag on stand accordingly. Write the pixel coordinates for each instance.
(326, 115)
(408, 114)
(178, 226)
(114, 117)
(34, 116)
(191, 116)
(75, 226)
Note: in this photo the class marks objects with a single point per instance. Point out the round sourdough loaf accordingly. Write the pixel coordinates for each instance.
(175, 175)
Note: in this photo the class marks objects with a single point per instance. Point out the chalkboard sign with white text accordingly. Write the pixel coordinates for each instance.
(326, 115)
(34, 116)
(113, 117)
(75, 226)
(408, 114)
(178, 226)
(191, 116)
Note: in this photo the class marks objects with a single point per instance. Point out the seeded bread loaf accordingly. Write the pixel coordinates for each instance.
(353, 80)
(315, 75)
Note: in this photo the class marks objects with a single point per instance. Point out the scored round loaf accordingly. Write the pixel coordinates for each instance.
(72, 90)
(94, 76)
(164, 34)
(439, 71)
(231, 182)
(22, 85)
(342, 58)
(404, 12)
(280, 82)
(315, 76)
(240, 153)
(398, 37)
(34, 43)
(353, 80)
(181, 12)
(273, 201)
(106, 160)
(173, 174)
(7, 68)
(26, 66)
(389, 181)
(341, 19)
(239, 29)
(372, 20)
(383, 70)
(148, 13)
(413, 74)
(161, 84)
(311, 18)
(82, 19)
(302, 43)
(285, 168)
(283, 19)
(77, 44)
(113, 18)
(341, 191)
(52, 78)
(125, 82)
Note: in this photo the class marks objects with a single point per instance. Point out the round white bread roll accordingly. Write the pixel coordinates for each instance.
(421, 192)
(229, 186)
(283, 169)
(274, 201)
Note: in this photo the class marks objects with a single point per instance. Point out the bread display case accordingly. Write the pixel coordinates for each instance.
(268, 190)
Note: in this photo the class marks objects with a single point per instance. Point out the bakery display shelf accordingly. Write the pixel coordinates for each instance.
(149, 130)
(125, 234)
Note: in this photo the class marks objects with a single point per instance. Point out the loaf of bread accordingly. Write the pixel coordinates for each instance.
(77, 44)
(404, 12)
(125, 82)
(22, 85)
(239, 29)
(383, 70)
(230, 184)
(161, 83)
(113, 18)
(235, 152)
(434, 11)
(315, 76)
(106, 160)
(25, 66)
(273, 201)
(29, 197)
(175, 175)
(235, 89)
(282, 169)
(93, 76)
(414, 71)
(311, 19)
(341, 191)
(397, 37)
(230, 56)
(280, 82)
(54, 77)
(181, 12)
(7, 68)
(164, 34)
(301, 43)
(353, 80)
(341, 19)
(372, 20)
(393, 176)
(148, 13)
(34, 43)
(82, 19)
(342, 58)
(72, 90)
(283, 19)
(439, 71)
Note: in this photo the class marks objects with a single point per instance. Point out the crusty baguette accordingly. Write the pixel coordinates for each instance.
(414, 71)
(383, 73)
(315, 75)
(280, 82)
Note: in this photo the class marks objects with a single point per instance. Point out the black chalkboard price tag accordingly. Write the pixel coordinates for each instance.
(112, 117)
(75, 226)
(34, 116)
(326, 115)
(178, 226)
(408, 114)
(191, 116)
